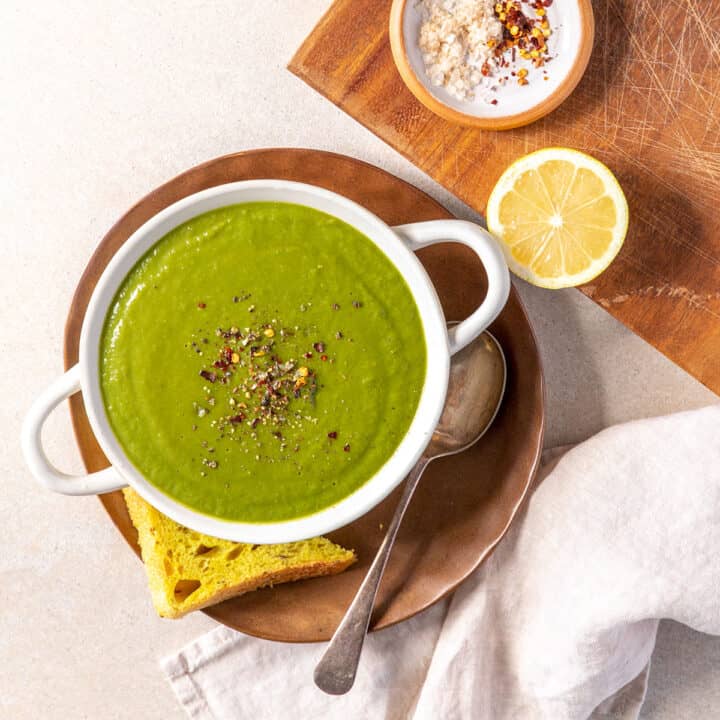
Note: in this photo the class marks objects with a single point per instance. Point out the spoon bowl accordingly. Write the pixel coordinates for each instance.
(480, 369)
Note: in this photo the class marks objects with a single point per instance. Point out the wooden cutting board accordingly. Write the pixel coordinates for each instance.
(648, 106)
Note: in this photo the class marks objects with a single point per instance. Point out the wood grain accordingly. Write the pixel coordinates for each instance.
(648, 107)
(464, 503)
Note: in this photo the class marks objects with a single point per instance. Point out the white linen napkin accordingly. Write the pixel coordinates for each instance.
(558, 624)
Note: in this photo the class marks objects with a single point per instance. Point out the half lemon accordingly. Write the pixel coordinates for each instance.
(560, 215)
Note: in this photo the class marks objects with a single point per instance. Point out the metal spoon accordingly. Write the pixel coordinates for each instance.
(475, 390)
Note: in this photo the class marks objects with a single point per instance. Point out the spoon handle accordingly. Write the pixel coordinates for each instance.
(335, 673)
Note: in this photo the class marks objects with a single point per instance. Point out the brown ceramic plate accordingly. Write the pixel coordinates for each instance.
(464, 503)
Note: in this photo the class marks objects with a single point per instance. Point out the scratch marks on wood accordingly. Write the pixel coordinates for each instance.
(698, 301)
(670, 76)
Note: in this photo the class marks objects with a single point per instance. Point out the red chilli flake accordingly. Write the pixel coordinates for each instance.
(324, 358)
(333, 435)
(267, 383)
(202, 305)
(346, 448)
(319, 347)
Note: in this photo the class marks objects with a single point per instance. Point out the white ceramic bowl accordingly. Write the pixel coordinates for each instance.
(398, 245)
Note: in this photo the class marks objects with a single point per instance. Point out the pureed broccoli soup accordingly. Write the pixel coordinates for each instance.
(261, 362)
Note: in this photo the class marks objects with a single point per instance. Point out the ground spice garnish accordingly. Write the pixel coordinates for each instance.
(262, 383)
(202, 305)
(346, 447)
(523, 34)
(264, 389)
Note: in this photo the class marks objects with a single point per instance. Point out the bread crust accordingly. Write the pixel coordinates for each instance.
(163, 542)
(267, 580)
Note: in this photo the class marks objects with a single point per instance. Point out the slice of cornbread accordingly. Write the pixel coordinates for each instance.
(188, 570)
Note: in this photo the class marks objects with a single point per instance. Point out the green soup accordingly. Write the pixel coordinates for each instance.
(261, 362)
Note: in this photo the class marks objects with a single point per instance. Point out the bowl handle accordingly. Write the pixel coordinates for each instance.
(418, 235)
(41, 468)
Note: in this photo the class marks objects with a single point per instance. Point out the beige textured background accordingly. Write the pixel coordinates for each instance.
(99, 103)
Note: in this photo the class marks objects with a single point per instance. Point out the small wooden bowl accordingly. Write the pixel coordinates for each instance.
(573, 27)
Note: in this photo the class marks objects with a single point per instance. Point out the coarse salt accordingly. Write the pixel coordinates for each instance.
(457, 38)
